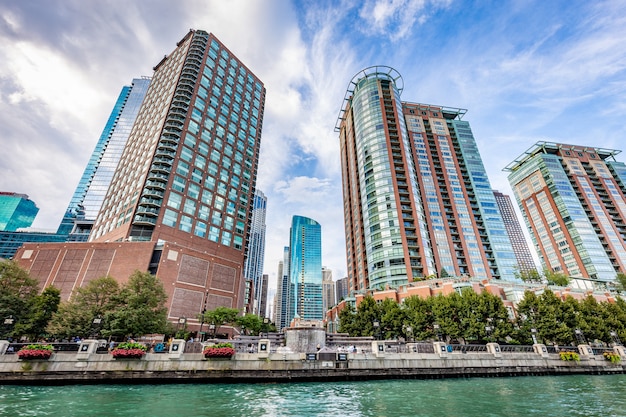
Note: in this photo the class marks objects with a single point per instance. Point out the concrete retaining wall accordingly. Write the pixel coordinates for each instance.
(67, 368)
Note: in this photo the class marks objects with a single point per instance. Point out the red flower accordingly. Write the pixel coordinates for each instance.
(34, 354)
(221, 352)
(128, 353)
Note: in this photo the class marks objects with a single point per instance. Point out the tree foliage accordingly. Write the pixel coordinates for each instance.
(17, 292)
(219, 317)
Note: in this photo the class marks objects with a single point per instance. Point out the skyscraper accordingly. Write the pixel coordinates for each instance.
(180, 201)
(305, 269)
(253, 269)
(16, 211)
(417, 200)
(525, 261)
(281, 311)
(328, 289)
(341, 288)
(94, 183)
(573, 199)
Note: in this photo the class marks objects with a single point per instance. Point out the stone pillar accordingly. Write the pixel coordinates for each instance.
(585, 351)
(177, 347)
(263, 350)
(4, 344)
(441, 349)
(494, 349)
(540, 349)
(378, 348)
(86, 348)
(619, 349)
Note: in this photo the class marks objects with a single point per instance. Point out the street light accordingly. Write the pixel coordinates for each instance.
(266, 321)
(95, 324)
(615, 338)
(533, 333)
(580, 337)
(488, 330)
(438, 331)
(409, 333)
(376, 325)
(8, 323)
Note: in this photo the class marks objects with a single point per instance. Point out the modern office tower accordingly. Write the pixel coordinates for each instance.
(417, 200)
(328, 289)
(263, 301)
(573, 200)
(93, 185)
(525, 261)
(305, 269)
(180, 201)
(253, 269)
(341, 288)
(281, 311)
(16, 211)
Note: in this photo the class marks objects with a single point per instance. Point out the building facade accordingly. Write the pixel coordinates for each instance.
(328, 289)
(253, 269)
(524, 257)
(184, 184)
(281, 309)
(573, 199)
(417, 200)
(341, 288)
(94, 183)
(305, 270)
(16, 211)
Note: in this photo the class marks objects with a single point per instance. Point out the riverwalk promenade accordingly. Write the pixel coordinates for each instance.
(90, 363)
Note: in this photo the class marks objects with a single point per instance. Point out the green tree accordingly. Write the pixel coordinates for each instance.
(141, 307)
(527, 275)
(75, 317)
(392, 320)
(621, 281)
(17, 291)
(347, 320)
(249, 324)
(419, 317)
(41, 308)
(556, 278)
(219, 317)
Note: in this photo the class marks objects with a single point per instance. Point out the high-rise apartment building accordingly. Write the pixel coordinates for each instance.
(94, 183)
(253, 269)
(417, 200)
(305, 269)
(525, 261)
(180, 201)
(263, 298)
(282, 310)
(16, 211)
(341, 288)
(328, 289)
(573, 199)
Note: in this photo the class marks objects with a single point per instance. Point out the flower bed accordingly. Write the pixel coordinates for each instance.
(612, 357)
(129, 350)
(569, 356)
(220, 350)
(35, 351)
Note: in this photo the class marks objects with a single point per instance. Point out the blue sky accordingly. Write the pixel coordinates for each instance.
(525, 70)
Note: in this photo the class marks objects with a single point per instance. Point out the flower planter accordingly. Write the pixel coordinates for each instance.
(129, 350)
(35, 352)
(218, 352)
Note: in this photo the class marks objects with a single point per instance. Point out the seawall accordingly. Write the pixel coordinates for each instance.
(174, 367)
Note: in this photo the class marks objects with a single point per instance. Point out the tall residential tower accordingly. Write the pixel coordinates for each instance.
(253, 270)
(417, 200)
(573, 199)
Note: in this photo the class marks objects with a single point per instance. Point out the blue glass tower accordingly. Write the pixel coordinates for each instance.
(253, 269)
(16, 211)
(94, 183)
(305, 269)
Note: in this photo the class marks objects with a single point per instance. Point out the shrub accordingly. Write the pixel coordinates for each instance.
(129, 350)
(569, 356)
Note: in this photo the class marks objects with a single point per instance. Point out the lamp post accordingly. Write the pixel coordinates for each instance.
(615, 338)
(181, 321)
(409, 333)
(580, 337)
(96, 324)
(206, 296)
(376, 325)
(8, 323)
(266, 321)
(488, 330)
(437, 331)
(533, 333)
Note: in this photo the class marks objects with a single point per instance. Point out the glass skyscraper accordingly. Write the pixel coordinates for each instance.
(417, 200)
(16, 211)
(94, 183)
(253, 270)
(573, 202)
(305, 269)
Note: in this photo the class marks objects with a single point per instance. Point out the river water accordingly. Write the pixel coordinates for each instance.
(521, 396)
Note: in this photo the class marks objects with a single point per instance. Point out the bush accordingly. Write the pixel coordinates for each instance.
(569, 356)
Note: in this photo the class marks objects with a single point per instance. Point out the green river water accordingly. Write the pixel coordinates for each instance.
(521, 396)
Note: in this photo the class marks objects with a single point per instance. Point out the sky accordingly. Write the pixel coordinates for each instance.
(525, 70)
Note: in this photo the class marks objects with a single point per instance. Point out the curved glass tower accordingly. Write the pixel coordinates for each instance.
(417, 202)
